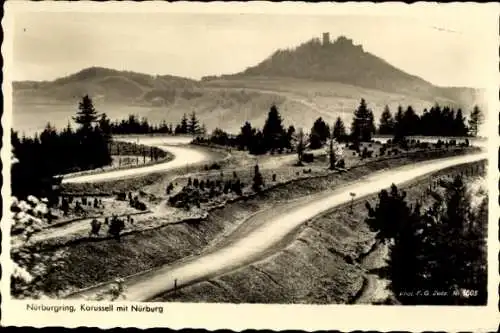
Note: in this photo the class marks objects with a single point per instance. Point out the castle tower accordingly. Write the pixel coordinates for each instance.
(326, 38)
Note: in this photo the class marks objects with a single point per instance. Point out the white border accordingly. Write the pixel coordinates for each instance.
(275, 317)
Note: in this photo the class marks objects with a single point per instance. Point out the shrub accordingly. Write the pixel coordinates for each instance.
(65, 206)
(258, 181)
(236, 187)
(95, 227)
(116, 227)
(215, 166)
(366, 153)
(170, 187)
(308, 157)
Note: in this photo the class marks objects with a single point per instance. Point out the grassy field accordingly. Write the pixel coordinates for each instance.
(100, 260)
(229, 103)
(321, 265)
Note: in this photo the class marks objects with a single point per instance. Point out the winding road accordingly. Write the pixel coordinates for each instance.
(265, 232)
(177, 146)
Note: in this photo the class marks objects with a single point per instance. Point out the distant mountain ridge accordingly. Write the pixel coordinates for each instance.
(317, 78)
(343, 61)
(103, 83)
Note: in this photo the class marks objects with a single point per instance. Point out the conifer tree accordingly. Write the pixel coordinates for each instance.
(476, 119)
(258, 181)
(362, 126)
(339, 129)
(273, 130)
(183, 126)
(386, 122)
(399, 125)
(86, 115)
(246, 135)
(300, 146)
(459, 126)
(193, 126)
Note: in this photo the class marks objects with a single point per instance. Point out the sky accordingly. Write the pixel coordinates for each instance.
(444, 50)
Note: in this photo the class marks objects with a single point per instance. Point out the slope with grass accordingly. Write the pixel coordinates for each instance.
(329, 259)
(139, 252)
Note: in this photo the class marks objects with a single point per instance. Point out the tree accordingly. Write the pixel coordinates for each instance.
(406, 262)
(184, 127)
(86, 115)
(246, 136)
(193, 126)
(339, 129)
(289, 137)
(362, 126)
(300, 146)
(410, 122)
(386, 122)
(315, 140)
(116, 226)
(273, 130)
(391, 209)
(399, 125)
(322, 130)
(257, 145)
(459, 127)
(105, 126)
(203, 129)
(475, 121)
(332, 157)
(258, 181)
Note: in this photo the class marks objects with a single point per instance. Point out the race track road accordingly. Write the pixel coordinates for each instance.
(264, 232)
(183, 156)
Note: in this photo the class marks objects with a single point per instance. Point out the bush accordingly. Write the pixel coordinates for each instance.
(308, 157)
(215, 166)
(366, 153)
(258, 181)
(236, 187)
(137, 204)
(116, 226)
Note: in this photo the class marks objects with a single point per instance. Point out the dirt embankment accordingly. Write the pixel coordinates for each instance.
(324, 263)
(90, 263)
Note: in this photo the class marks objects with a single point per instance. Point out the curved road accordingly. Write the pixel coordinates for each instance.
(176, 145)
(266, 232)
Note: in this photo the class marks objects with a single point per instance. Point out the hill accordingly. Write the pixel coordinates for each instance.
(344, 62)
(325, 79)
(105, 85)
